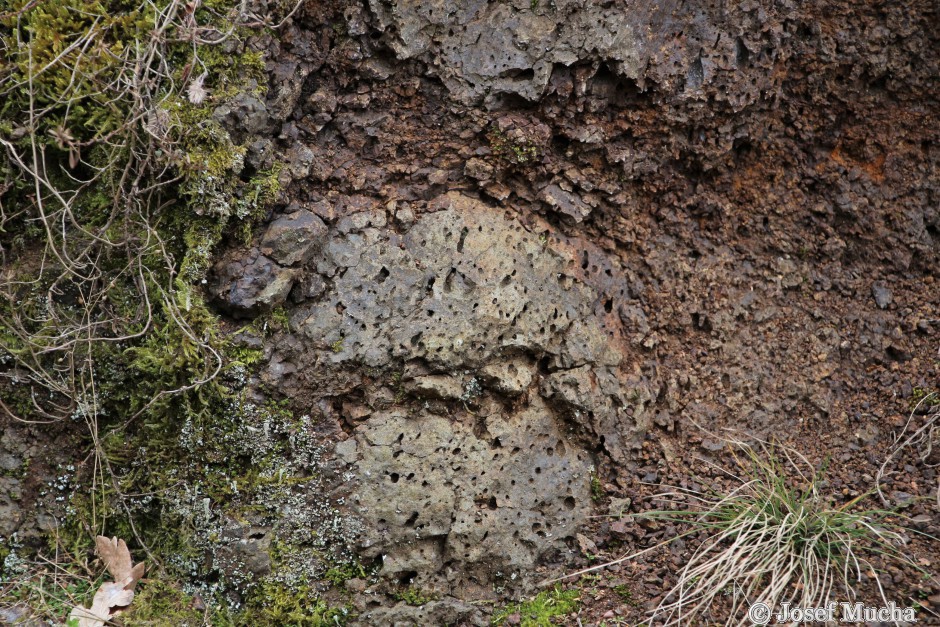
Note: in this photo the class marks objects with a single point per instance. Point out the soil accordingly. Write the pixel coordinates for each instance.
(754, 214)
(774, 230)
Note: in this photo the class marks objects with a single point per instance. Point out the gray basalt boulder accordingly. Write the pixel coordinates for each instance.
(486, 362)
(293, 238)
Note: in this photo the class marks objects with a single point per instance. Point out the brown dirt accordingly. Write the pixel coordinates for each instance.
(756, 236)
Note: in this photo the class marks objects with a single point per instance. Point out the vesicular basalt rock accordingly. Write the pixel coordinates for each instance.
(508, 363)
(459, 288)
(484, 48)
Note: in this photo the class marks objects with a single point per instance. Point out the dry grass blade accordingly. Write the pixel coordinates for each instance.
(774, 539)
(924, 440)
(774, 542)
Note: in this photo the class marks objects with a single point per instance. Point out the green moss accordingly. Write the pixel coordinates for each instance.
(278, 320)
(340, 574)
(925, 397)
(169, 406)
(159, 602)
(275, 604)
(70, 78)
(543, 609)
(515, 152)
(597, 488)
(414, 596)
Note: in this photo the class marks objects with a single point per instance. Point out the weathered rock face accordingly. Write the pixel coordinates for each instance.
(293, 238)
(481, 48)
(521, 234)
(465, 470)
(485, 492)
(250, 285)
(461, 286)
(486, 50)
(561, 222)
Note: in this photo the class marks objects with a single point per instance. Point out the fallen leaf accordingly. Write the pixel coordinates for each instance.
(115, 555)
(83, 617)
(117, 559)
(110, 595)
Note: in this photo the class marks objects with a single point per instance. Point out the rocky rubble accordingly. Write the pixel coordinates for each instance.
(531, 248)
(587, 223)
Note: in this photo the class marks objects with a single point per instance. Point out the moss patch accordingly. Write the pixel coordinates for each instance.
(546, 609)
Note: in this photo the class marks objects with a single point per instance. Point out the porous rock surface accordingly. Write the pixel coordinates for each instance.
(485, 50)
(555, 226)
(577, 222)
(482, 462)
(461, 285)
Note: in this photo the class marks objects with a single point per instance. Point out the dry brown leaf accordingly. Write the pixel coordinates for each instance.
(115, 555)
(112, 596)
(83, 617)
(136, 573)
(109, 596)
(117, 559)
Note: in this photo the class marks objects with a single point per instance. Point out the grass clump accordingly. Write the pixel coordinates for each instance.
(542, 610)
(771, 541)
(775, 538)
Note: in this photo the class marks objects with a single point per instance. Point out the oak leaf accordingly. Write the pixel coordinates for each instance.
(117, 559)
(112, 596)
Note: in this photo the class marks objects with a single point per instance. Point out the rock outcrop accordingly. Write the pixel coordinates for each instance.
(507, 363)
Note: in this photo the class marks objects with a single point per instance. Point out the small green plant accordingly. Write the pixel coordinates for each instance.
(924, 397)
(337, 346)
(597, 488)
(338, 575)
(414, 596)
(543, 609)
(515, 152)
(626, 594)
